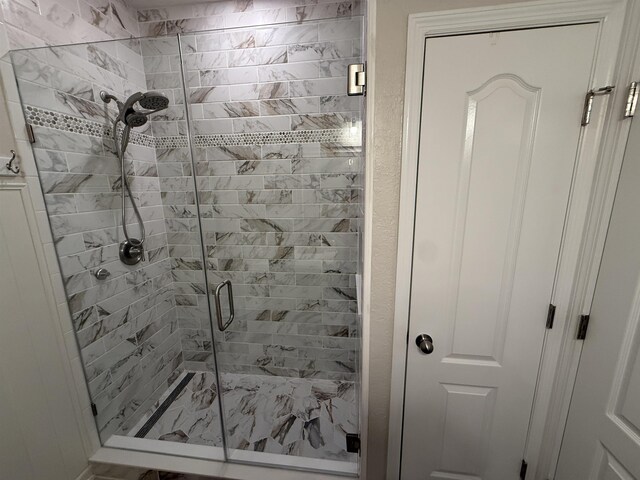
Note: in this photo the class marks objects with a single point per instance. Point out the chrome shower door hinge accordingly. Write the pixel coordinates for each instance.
(632, 100)
(356, 79)
(30, 135)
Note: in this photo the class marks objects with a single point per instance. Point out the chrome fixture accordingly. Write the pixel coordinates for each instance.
(425, 343)
(132, 249)
(10, 166)
(102, 274)
(588, 102)
(356, 79)
(223, 326)
(151, 102)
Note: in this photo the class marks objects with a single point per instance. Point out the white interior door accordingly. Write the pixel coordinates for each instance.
(602, 438)
(499, 135)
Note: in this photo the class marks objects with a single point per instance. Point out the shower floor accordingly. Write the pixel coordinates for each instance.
(279, 415)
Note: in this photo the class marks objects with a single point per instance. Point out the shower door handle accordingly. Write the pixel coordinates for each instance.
(222, 326)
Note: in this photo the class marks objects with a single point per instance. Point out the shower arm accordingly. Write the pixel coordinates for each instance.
(126, 190)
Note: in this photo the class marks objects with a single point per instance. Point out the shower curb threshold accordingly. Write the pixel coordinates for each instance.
(210, 468)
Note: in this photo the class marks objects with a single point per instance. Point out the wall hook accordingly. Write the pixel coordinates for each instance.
(10, 166)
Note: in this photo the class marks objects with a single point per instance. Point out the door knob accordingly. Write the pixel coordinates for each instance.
(425, 343)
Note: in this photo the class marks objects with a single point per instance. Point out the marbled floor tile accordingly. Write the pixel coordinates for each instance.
(289, 416)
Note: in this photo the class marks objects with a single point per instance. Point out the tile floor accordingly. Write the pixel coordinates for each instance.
(282, 415)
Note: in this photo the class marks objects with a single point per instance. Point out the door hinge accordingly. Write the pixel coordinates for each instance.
(632, 100)
(30, 135)
(353, 443)
(551, 314)
(582, 328)
(588, 102)
(523, 470)
(356, 79)
(94, 409)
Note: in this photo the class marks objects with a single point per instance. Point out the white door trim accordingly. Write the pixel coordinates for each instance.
(600, 153)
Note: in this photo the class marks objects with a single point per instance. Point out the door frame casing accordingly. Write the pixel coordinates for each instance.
(598, 162)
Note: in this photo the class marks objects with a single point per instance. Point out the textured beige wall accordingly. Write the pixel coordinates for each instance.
(389, 40)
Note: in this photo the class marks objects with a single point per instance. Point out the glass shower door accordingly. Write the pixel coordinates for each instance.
(250, 191)
(277, 148)
(142, 330)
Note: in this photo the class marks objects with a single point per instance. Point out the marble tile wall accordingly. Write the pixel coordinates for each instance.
(199, 16)
(163, 73)
(280, 219)
(34, 23)
(126, 326)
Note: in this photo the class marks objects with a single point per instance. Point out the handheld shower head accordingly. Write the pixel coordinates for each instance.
(135, 119)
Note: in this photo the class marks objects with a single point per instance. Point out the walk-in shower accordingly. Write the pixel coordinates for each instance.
(132, 249)
(242, 164)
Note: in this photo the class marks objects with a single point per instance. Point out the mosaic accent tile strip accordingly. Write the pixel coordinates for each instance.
(177, 141)
(45, 118)
(333, 135)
